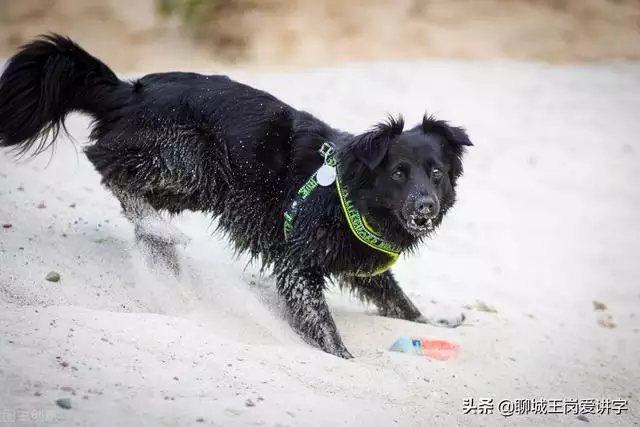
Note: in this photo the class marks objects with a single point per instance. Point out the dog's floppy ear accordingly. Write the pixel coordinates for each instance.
(455, 138)
(454, 135)
(371, 147)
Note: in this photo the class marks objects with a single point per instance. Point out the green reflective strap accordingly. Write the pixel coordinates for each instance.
(303, 193)
(308, 187)
(357, 225)
(288, 224)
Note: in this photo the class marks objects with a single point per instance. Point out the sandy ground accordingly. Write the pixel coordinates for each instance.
(546, 224)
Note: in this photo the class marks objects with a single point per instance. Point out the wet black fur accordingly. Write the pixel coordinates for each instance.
(186, 141)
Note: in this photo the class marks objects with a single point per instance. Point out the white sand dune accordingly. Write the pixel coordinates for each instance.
(547, 222)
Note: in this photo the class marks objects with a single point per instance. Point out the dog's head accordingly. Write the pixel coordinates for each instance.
(405, 180)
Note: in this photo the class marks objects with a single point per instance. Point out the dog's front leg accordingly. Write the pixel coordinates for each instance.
(384, 292)
(303, 293)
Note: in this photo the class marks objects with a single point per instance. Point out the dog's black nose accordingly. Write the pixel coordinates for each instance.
(426, 205)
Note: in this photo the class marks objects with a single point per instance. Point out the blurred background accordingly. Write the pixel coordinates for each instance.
(157, 35)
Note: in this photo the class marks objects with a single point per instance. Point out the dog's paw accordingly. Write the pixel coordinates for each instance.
(343, 353)
(336, 348)
(443, 322)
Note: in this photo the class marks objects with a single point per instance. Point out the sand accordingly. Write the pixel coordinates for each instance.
(546, 223)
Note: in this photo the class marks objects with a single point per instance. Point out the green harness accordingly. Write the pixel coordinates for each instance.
(325, 176)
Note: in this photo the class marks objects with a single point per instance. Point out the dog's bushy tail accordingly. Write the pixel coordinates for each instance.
(43, 82)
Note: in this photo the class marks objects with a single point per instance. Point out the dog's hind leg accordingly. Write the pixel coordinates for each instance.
(154, 233)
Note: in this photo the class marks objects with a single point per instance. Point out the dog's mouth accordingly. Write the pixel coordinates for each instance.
(419, 225)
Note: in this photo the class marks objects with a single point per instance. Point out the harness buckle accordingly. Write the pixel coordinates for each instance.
(326, 150)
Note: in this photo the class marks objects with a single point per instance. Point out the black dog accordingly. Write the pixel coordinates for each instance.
(310, 201)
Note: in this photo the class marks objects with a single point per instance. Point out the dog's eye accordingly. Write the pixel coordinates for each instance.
(436, 174)
(398, 175)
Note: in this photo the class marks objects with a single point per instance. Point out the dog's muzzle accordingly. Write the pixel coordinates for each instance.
(420, 219)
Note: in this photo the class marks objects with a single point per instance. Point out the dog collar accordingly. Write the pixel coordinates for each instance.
(326, 175)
